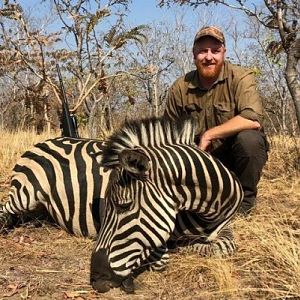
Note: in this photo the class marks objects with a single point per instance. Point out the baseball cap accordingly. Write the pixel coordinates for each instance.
(213, 31)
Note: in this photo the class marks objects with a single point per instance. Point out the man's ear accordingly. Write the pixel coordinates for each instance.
(135, 161)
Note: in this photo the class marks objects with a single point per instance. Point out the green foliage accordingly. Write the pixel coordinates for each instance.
(82, 119)
(257, 71)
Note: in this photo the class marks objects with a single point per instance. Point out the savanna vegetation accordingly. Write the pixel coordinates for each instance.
(114, 71)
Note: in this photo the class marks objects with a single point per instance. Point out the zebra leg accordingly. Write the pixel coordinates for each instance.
(23, 204)
(10, 220)
(207, 239)
(7, 220)
(156, 261)
(222, 245)
(15, 212)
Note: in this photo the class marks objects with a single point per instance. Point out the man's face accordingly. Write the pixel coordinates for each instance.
(209, 55)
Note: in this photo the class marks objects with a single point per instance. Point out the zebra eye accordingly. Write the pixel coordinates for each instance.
(122, 207)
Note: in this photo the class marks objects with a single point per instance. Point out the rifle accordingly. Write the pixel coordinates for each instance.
(68, 122)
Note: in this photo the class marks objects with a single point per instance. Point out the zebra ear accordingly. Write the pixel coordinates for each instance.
(135, 161)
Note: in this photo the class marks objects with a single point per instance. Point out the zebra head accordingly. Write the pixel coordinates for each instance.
(137, 219)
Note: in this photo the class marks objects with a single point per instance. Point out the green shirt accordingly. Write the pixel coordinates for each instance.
(234, 93)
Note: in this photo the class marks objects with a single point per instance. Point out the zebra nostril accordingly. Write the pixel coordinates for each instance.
(128, 285)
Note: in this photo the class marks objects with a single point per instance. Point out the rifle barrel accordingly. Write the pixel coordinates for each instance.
(68, 122)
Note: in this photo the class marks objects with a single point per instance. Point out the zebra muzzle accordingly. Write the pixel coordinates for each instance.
(103, 278)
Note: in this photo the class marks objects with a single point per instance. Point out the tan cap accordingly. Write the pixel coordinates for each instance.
(210, 31)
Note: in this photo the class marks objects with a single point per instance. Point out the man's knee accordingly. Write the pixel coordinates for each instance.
(250, 143)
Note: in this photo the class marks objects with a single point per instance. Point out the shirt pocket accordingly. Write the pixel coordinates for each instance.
(223, 112)
(196, 111)
(192, 107)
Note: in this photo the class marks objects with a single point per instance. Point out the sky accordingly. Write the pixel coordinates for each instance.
(142, 11)
(147, 12)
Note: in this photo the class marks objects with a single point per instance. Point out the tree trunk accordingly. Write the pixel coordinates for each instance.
(155, 95)
(291, 76)
(92, 130)
(46, 118)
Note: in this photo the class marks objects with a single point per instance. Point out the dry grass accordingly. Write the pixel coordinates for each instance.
(46, 263)
(13, 145)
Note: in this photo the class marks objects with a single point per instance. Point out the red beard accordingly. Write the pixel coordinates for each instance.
(210, 71)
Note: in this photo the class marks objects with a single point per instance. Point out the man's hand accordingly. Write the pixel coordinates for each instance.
(205, 142)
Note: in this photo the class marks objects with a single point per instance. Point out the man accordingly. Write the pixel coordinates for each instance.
(223, 99)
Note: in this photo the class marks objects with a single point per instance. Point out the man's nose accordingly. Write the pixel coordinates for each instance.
(209, 55)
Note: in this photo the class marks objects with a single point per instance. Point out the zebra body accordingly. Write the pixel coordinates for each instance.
(62, 176)
(161, 188)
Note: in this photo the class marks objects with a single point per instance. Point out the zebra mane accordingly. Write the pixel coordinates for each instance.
(148, 132)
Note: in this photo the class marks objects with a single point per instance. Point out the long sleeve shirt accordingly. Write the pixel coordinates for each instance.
(234, 93)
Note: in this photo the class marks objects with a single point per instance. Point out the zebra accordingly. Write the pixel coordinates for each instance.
(62, 177)
(162, 189)
(147, 186)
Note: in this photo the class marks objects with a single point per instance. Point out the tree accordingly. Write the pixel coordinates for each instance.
(159, 61)
(22, 59)
(97, 53)
(152, 62)
(282, 18)
(86, 46)
(279, 111)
